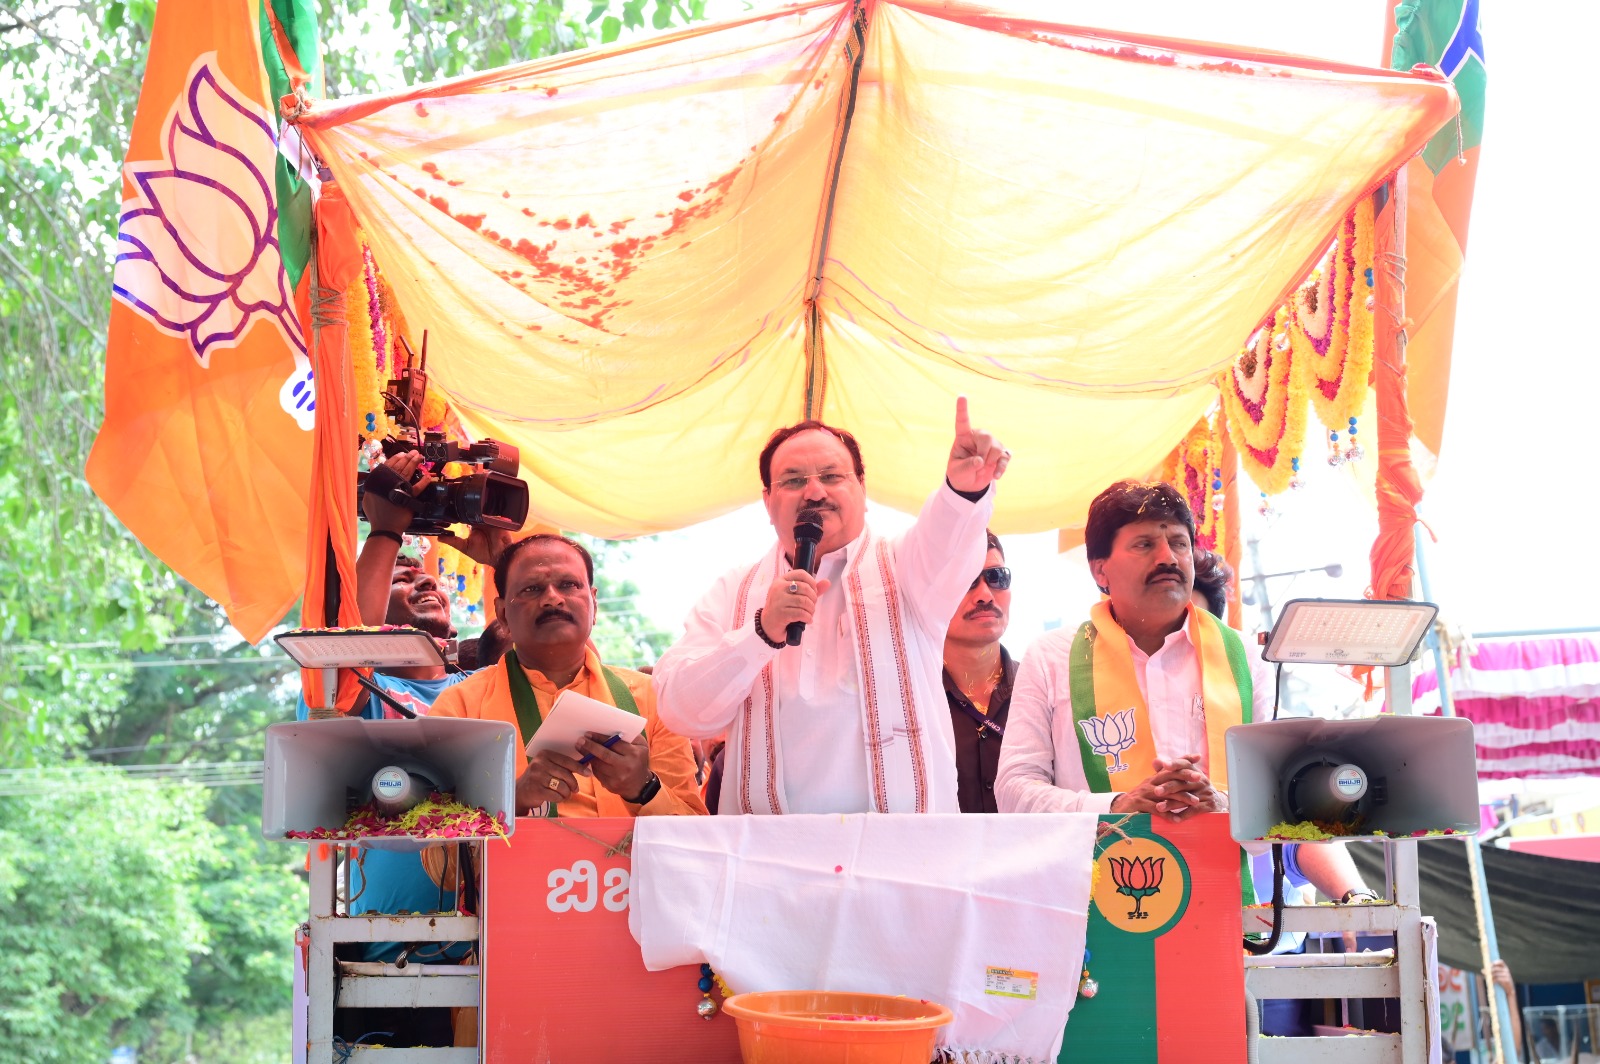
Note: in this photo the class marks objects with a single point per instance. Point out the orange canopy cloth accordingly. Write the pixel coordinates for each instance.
(635, 263)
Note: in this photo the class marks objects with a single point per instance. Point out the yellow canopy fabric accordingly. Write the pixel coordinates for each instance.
(635, 263)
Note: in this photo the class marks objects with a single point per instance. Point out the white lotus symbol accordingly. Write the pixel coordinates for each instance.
(197, 251)
(1110, 735)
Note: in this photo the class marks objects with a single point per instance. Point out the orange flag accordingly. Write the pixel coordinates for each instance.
(205, 452)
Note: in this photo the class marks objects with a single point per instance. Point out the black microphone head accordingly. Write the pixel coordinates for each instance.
(808, 530)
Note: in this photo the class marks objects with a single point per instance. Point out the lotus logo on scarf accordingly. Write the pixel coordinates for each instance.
(1138, 878)
(197, 250)
(1110, 735)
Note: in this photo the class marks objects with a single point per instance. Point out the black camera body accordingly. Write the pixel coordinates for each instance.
(492, 497)
(489, 498)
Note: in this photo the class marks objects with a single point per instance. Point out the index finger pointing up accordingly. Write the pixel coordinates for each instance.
(963, 424)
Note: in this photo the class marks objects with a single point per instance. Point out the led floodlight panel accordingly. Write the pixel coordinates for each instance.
(1349, 631)
(360, 648)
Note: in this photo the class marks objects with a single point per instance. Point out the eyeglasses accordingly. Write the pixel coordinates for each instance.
(998, 577)
(798, 484)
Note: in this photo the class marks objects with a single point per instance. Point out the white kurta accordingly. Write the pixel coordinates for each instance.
(1032, 779)
(821, 753)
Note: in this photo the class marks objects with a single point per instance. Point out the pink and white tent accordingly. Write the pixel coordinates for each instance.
(1534, 704)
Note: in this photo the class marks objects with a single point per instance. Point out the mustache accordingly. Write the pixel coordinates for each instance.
(978, 611)
(813, 509)
(555, 615)
(1165, 570)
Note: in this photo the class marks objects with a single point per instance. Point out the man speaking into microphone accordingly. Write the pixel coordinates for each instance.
(852, 718)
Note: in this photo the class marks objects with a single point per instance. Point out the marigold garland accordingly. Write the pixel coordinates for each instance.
(1193, 468)
(1264, 404)
(1316, 350)
(1330, 324)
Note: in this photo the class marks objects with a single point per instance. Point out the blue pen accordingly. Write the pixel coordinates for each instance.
(608, 744)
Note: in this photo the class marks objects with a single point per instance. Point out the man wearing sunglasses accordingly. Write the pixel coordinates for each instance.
(852, 719)
(978, 674)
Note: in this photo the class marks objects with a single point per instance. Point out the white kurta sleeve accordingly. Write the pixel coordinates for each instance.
(1033, 777)
(707, 674)
(937, 558)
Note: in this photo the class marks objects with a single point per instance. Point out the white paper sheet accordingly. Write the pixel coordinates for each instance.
(572, 715)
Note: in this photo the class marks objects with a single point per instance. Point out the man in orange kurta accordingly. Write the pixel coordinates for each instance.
(545, 592)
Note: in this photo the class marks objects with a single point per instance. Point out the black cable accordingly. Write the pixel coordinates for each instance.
(466, 880)
(1277, 689)
(383, 696)
(1261, 948)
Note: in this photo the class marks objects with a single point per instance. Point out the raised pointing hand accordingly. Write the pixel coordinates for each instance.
(976, 458)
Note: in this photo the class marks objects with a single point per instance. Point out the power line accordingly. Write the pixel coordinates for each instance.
(159, 663)
(167, 746)
(26, 782)
(112, 644)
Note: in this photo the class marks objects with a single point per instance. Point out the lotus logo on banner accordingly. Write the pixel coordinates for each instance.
(198, 251)
(1110, 735)
(1138, 878)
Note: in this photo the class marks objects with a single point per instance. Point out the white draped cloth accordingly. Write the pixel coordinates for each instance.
(855, 718)
(983, 914)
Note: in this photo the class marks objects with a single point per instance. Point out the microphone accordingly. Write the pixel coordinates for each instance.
(807, 534)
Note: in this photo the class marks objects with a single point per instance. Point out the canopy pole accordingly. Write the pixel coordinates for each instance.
(1399, 488)
(855, 49)
(330, 593)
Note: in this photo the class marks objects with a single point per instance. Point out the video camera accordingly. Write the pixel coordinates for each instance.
(490, 498)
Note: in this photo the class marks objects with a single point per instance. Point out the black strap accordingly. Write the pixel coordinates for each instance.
(983, 721)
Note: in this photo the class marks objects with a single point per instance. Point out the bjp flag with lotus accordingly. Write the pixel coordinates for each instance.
(205, 451)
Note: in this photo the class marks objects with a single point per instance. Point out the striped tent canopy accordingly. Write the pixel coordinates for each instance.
(1534, 705)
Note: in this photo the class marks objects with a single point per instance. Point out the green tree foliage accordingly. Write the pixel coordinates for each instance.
(422, 41)
(155, 915)
(622, 634)
(101, 916)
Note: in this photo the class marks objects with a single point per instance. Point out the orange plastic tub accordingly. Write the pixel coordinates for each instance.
(822, 1027)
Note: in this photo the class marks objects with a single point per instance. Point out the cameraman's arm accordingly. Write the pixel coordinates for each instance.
(375, 565)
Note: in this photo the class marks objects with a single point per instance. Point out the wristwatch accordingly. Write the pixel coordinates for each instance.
(651, 788)
(1360, 892)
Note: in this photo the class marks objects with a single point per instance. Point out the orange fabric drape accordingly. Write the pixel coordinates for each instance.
(1399, 488)
(332, 534)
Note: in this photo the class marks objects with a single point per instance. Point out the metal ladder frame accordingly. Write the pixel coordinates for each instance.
(1401, 974)
(366, 985)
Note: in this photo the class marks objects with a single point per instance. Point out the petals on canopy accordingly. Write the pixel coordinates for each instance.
(636, 263)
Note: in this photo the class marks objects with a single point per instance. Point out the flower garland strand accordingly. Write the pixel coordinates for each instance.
(1264, 404)
(1330, 326)
(1195, 468)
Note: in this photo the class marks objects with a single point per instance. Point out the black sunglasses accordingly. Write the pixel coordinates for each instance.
(998, 577)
